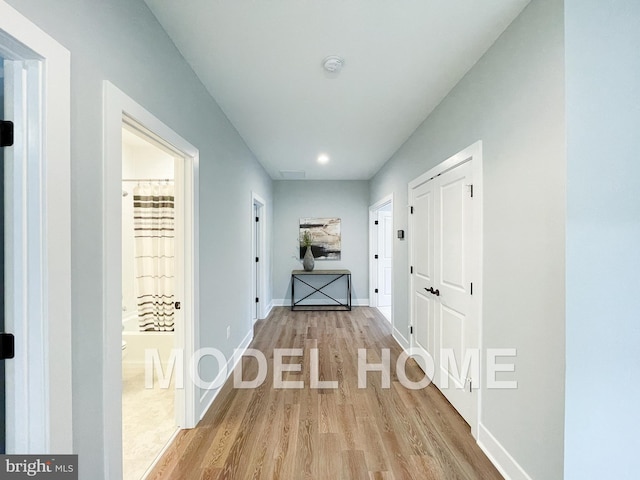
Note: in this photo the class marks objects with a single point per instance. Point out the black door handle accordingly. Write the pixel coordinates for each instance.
(431, 290)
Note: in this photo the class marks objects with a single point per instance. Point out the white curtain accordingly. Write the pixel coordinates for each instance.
(153, 210)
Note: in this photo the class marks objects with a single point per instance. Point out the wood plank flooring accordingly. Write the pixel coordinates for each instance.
(344, 433)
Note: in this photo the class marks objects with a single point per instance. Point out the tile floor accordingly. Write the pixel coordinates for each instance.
(148, 421)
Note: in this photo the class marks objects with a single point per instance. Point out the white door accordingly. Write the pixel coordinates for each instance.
(36, 239)
(423, 270)
(3, 145)
(441, 248)
(385, 257)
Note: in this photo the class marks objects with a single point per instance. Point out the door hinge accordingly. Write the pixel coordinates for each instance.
(7, 346)
(257, 219)
(471, 190)
(257, 300)
(376, 222)
(471, 288)
(376, 290)
(177, 305)
(6, 133)
(411, 269)
(375, 256)
(257, 259)
(411, 329)
(411, 210)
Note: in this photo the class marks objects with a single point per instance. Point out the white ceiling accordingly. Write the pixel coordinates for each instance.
(262, 62)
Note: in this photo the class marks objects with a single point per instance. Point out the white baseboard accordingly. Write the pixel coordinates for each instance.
(400, 339)
(286, 302)
(267, 310)
(210, 394)
(499, 456)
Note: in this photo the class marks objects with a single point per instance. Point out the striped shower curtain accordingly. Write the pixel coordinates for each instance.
(153, 210)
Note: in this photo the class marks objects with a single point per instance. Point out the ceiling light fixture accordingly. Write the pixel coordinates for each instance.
(323, 158)
(333, 64)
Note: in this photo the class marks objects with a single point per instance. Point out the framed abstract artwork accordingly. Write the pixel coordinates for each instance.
(325, 237)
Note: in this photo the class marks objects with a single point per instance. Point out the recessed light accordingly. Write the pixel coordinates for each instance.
(323, 158)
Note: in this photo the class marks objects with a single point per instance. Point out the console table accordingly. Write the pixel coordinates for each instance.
(333, 276)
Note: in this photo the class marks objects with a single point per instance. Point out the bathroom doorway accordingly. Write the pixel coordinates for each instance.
(150, 296)
(122, 115)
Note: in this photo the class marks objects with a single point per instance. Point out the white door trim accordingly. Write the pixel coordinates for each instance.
(37, 238)
(373, 247)
(472, 153)
(117, 106)
(261, 253)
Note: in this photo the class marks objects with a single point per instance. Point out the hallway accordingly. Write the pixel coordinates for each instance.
(548, 88)
(341, 433)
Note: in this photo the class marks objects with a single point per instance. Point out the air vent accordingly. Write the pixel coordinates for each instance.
(292, 174)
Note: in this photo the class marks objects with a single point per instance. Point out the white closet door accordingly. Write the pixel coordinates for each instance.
(423, 277)
(441, 248)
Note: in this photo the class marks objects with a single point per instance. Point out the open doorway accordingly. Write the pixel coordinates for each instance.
(257, 256)
(381, 261)
(150, 295)
(122, 114)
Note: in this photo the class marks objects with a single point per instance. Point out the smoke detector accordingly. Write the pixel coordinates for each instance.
(333, 64)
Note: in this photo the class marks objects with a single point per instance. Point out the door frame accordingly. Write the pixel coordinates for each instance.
(117, 108)
(473, 154)
(258, 277)
(37, 238)
(373, 247)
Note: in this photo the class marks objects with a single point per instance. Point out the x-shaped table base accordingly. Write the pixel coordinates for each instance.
(336, 305)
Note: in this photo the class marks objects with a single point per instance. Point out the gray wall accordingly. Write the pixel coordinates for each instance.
(348, 200)
(121, 41)
(512, 100)
(603, 231)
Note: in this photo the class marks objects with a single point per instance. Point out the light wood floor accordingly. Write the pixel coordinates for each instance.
(344, 433)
